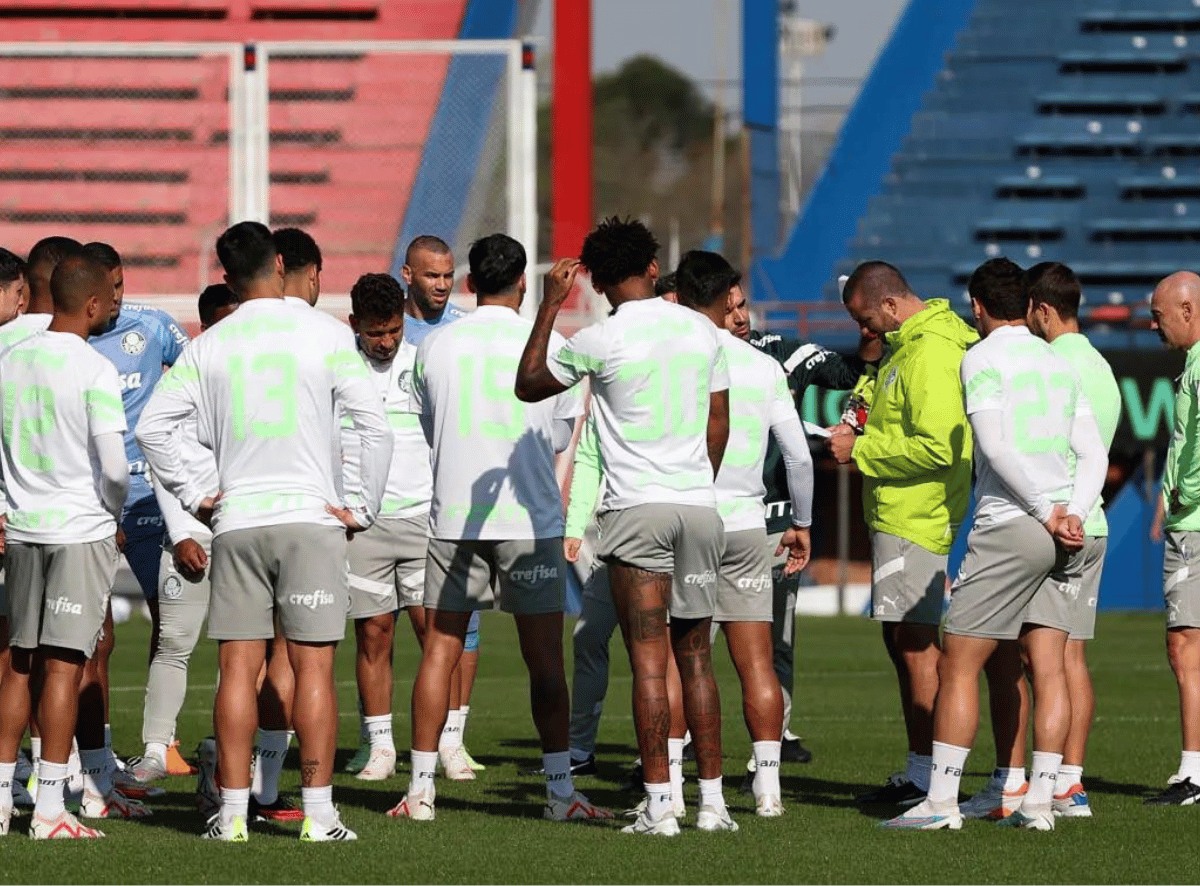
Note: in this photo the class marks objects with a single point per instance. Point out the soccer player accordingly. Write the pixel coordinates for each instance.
(804, 365)
(301, 264)
(1175, 307)
(39, 266)
(266, 386)
(760, 406)
(12, 294)
(387, 562)
(65, 478)
(141, 342)
(183, 585)
(1028, 415)
(915, 458)
(659, 388)
(495, 518)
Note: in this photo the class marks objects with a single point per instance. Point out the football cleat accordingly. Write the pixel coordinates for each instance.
(455, 764)
(64, 827)
(576, 807)
(927, 816)
(666, 826)
(234, 832)
(418, 807)
(380, 765)
(993, 802)
(115, 805)
(315, 832)
(1073, 804)
(709, 818)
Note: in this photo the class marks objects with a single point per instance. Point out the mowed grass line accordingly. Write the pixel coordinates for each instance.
(491, 830)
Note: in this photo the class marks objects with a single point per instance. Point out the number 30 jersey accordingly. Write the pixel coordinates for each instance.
(492, 455)
(265, 384)
(653, 366)
(1039, 397)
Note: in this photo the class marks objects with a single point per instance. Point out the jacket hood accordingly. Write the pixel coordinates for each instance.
(937, 320)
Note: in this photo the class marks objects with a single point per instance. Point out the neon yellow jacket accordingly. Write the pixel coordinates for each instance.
(915, 454)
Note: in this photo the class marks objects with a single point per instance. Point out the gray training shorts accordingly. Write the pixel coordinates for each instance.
(387, 566)
(1004, 567)
(685, 541)
(1067, 598)
(908, 583)
(1181, 579)
(58, 594)
(744, 586)
(297, 570)
(529, 575)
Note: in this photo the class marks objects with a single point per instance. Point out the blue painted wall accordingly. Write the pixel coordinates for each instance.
(760, 113)
(873, 131)
(457, 131)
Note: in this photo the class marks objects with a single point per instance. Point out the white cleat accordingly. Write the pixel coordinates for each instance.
(315, 832)
(1031, 818)
(147, 769)
(455, 764)
(677, 806)
(927, 816)
(234, 832)
(418, 807)
(667, 826)
(709, 818)
(993, 802)
(576, 807)
(115, 805)
(125, 782)
(380, 765)
(64, 827)
(768, 806)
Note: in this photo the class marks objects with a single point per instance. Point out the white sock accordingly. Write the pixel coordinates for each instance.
(269, 752)
(318, 804)
(35, 749)
(462, 721)
(156, 750)
(917, 770)
(711, 793)
(1189, 766)
(675, 768)
(1009, 778)
(108, 750)
(52, 781)
(234, 802)
(946, 772)
(97, 775)
(766, 773)
(424, 764)
(658, 801)
(451, 736)
(558, 774)
(379, 732)
(1042, 776)
(74, 770)
(1068, 777)
(8, 772)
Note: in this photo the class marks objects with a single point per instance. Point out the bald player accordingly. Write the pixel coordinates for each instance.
(1175, 307)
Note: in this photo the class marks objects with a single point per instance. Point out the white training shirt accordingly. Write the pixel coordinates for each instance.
(759, 404)
(265, 384)
(21, 327)
(59, 395)
(493, 456)
(1038, 400)
(653, 366)
(410, 480)
(199, 463)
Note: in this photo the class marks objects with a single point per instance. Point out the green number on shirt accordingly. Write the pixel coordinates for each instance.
(1060, 385)
(280, 396)
(666, 393)
(486, 385)
(745, 430)
(32, 429)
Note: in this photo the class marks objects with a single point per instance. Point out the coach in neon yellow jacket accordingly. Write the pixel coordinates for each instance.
(915, 457)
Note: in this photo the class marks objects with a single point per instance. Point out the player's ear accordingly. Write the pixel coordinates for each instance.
(653, 269)
(406, 274)
(470, 283)
(353, 323)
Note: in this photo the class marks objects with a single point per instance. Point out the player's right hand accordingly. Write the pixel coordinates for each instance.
(190, 559)
(346, 518)
(571, 549)
(559, 281)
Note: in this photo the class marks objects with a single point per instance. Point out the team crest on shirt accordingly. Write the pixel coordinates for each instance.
(133, 343)
(404, 381)
(172, 587)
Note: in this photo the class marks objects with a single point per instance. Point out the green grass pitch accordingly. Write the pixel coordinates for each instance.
(491, 830)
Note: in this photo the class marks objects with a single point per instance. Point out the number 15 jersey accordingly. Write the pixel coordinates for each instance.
(492, 455)
(653, 366)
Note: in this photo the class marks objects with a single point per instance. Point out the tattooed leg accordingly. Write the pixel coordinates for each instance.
(701, 703)
(641, 598)
(235, 711)
(314, 710)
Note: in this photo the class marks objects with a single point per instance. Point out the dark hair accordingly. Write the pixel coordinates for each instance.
(247, 252)
(51, 250)
(703, 278)
(874, 281)
(212, 299)
(11, 267)
(104, 254)
(999, 286)
(496, 263)
(616, 250)
(665, 285)
(376, 297)
(427, 242)
(1054, 284)
(75, 277)
(298, 249)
